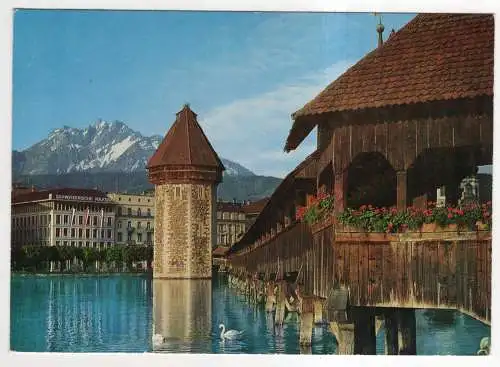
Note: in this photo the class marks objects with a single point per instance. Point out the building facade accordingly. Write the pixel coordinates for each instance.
(231, 223)
(62, 217)
(134, 218)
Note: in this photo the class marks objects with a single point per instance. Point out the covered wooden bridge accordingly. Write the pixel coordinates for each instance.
(413, 116)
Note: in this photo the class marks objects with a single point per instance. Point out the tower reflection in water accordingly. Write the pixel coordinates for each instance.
(182, 314)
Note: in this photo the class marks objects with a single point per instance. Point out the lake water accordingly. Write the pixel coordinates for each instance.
(120, 313)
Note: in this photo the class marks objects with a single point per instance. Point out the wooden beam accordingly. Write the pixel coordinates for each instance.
(340, 191)
(401, 189)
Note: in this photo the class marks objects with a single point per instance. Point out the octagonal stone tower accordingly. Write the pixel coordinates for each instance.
(185, 170)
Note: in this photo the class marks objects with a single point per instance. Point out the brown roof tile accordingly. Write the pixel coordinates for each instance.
(434, 57)
(256, 206)
(185, 145)
(220, 251)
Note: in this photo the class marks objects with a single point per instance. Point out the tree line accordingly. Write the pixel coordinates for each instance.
(66, 258)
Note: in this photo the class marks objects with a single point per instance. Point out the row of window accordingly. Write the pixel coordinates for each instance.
(233, 216)
(83, 207)
(30, 234)
(33, 208)
(119, 237)
(33, 220)
(233, 227)
(228, 239)
(138, 199)
(88, 234)
(81, 220)
(139, 224)
(119, 212)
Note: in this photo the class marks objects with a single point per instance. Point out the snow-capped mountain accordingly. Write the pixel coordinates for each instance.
(101, 147)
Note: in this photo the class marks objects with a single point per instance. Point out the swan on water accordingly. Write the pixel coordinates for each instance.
(158, 340)
(230, 334)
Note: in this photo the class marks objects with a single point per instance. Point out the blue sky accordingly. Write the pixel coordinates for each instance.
(244, 74)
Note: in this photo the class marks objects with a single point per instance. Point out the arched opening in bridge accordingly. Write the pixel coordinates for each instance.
(442, 168)
(371, 180)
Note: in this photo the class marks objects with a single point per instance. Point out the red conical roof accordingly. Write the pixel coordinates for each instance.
(185, 145)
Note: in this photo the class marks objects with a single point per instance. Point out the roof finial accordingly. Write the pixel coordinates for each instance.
(187, 105)
(380, 30)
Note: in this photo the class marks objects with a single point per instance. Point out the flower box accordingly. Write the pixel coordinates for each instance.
(480, 226)
(429, 227)
(322, 223)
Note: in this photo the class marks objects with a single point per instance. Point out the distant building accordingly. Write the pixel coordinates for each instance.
(253, 209)
(134, 218)
(233, 220)
(62, 217)
(231, 223)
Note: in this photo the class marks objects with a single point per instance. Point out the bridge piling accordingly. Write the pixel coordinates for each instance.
(318, 311)
(344, 333)
(280, 304)
(391, 333)
(364, 333)
(400, 331)
(407, 332)
(306, 327)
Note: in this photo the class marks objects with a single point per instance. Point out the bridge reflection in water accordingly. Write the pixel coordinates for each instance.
(182, 314)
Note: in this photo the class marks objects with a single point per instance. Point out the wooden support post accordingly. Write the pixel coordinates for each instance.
(280, 312)
(318, 311)
(379, 321)
(401, 189)
(344, 333)
(340, 191)
(280, 304)
(270, 297)
(391, 332)
(306, 327)
(364, 333)
(407, 338)
(305, 349)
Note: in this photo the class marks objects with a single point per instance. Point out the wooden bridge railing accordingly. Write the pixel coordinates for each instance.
(432, 270)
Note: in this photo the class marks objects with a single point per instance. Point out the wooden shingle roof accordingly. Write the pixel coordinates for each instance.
(185, 144)
(434, 57)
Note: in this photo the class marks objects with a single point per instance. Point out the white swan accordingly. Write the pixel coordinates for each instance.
(230, 334)
(158, 340)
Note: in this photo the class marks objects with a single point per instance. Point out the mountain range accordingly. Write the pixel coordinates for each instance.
(112, 156)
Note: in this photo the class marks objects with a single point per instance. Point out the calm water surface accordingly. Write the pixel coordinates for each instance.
(121, 313)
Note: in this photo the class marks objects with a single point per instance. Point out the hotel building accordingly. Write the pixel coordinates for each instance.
(62, 217)
(134, 218)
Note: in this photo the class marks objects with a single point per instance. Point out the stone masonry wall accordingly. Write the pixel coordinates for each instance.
(183, 231)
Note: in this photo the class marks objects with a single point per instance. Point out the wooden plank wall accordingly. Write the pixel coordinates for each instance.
(447, 132)
(407, 273)
(417, 274)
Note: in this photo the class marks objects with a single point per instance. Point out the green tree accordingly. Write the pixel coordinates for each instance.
(52, 255)
(114, 256)
(89, 255)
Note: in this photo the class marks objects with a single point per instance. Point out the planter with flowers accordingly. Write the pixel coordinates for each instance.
(318, 212)
(433, 219)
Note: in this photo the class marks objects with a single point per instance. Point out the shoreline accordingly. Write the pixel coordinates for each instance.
(22, 274)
